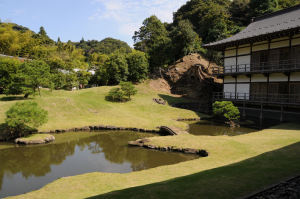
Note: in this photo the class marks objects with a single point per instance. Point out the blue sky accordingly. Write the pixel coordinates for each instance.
(91, 19)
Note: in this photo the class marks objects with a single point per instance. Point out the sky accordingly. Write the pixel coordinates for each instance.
(90, 19)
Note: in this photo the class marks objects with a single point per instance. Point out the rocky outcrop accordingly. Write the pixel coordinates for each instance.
(145, 144)
(192, 77)
(26, 141)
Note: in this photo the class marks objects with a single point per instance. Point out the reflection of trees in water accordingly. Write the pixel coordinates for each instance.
(114, 147)
(37, 160)
(33, 160)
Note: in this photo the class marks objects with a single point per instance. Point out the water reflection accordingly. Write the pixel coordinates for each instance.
(23, 169)
(205, 127)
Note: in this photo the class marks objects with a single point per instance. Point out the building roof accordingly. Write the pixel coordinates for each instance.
(280, 23)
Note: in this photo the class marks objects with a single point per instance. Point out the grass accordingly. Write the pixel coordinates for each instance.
(69, 109)
(235, 167)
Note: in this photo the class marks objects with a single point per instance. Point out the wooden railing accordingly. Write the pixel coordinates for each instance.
(263, 67)
(258, 97)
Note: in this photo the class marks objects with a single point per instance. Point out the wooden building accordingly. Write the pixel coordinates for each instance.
(262, 64)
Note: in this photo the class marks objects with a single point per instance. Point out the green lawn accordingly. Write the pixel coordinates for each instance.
(69, 109)
(235, 167)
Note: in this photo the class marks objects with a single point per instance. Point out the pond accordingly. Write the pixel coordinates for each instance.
(207, 127)
(27, 168)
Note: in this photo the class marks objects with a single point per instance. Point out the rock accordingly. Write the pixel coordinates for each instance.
(190, 151)
(202, 153)
(26, 141)
(159, 101)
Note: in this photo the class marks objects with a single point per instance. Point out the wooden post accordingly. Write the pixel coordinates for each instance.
(244, 110)
(281, 114)
(261, 115)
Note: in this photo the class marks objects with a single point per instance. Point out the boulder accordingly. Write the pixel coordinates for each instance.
(28, 141)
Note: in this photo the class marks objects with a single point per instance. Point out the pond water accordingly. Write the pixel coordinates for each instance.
(27, 168)
(206, 127)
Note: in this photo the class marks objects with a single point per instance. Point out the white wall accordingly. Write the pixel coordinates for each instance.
(229, 79)
(244, 50)
(230, 52)
(295, 42)
(243, 91)
(259, 78)
(229, 90)
(244, 63)
(229, 64)
(278, 77)
(260, 46)
(295, 76)
(243, 78)
(280, 44)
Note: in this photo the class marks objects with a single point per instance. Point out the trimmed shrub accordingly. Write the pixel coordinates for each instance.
(122, 94)
(227, 110)
(23, 116)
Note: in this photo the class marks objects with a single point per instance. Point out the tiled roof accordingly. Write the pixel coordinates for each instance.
(280, 21)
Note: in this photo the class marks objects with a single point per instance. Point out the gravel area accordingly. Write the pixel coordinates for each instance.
(289, 189)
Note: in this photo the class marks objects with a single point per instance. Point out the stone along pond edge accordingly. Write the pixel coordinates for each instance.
(139, 142)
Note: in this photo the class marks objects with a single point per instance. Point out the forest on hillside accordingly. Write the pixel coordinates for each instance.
(63, 65)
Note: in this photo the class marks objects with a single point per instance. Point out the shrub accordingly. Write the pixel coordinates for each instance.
(24, 115)
(226, 110)
(128, 89)
(123, 93)
(116, 94)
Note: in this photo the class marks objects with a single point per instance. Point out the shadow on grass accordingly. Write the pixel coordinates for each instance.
(183, 103)
(232, 181)
(12, 98)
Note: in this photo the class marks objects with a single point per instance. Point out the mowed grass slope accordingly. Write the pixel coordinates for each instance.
(69, 109)
(235, 167)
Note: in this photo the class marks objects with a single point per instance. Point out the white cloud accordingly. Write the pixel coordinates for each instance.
(131, 13)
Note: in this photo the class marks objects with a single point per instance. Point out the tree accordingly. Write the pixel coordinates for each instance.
(83, 78)
(117, 68)
(138, 66)
(123, 93)
(185, 40)
(128, 89)
(153, 39)
(9, 81)
(25, 114)
(35, 74)
(260, 7)
(106, 46)
(227, 110)
(240, 14)
(210, 18)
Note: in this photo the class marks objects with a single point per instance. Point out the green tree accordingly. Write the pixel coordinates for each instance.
(185, 40)
(261, 7)
(117, 68)
(83, 78)
(25, 114)
(122, 93)
(35, 74)
(153, 39)
(210, 18)
(240, 12)
(138, 66)
(227, 110)
(9, 81)
(128, 89)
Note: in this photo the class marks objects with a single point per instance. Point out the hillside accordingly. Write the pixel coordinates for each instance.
(69, 109)
(105, 46)
(190, 76)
